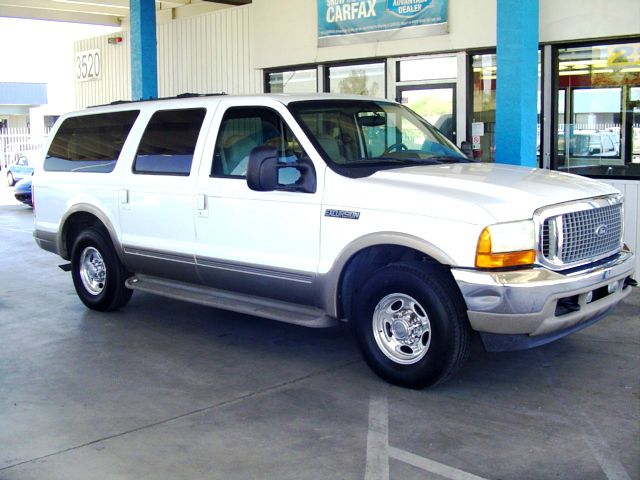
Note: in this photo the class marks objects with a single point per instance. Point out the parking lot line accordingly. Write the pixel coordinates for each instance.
(379, 452)
(17, 230)
(377, 467)
(431, 466)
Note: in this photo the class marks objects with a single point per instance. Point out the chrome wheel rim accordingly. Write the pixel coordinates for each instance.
(401, 328)
(93, 271)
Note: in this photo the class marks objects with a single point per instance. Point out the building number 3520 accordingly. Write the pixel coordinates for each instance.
(87, 65)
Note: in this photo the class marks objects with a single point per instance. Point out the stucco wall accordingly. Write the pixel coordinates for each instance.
(284, 32)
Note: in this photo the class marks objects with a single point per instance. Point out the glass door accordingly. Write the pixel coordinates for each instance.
(632, 127)
(435, 103)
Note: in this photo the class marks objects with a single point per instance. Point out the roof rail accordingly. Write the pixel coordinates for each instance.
(181, 95)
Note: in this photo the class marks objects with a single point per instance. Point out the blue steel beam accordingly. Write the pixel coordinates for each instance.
(144, 57)
(517, 82)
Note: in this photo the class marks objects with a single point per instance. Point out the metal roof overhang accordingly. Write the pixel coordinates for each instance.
(96, 12)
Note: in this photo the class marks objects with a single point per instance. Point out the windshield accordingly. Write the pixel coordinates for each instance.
(372, 134)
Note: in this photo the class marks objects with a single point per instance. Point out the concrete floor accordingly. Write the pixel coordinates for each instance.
(164, 389)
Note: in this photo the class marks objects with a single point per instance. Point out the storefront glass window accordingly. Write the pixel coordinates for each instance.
(483, 126)
(599, 110)
(293, 81)
(365, 79)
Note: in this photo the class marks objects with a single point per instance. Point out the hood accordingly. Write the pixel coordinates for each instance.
(478, 193)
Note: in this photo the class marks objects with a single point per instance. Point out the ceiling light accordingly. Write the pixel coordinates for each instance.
(574, 72)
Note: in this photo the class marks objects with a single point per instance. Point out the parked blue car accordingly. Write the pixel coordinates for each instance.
(21, 169)
(23, 191)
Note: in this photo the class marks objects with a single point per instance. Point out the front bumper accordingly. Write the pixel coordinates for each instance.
(24, 197)
(524, 308)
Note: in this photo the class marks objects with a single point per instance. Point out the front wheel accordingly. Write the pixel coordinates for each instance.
(98, 275)
(411, 325)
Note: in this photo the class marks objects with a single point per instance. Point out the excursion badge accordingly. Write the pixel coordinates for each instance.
(341, 214)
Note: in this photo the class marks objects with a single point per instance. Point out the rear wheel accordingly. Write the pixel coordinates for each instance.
(411, 324)
(98, 275)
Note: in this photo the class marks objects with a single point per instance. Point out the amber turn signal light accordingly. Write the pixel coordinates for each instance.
(486, 258)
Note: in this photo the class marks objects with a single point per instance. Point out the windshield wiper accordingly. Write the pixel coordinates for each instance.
(407, 161)
(449, 159)
(435, 160)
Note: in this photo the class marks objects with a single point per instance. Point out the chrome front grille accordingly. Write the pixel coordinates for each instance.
(582, 235)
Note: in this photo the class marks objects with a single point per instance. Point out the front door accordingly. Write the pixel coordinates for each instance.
(435, 103)
(259, 243)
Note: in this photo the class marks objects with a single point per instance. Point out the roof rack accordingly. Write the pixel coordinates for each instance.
(181, 95)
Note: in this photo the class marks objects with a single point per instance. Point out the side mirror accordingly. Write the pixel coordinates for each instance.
(266, 173)
(466, 149)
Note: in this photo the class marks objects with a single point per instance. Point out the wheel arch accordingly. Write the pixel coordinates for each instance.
(365, 255)
(82, 216)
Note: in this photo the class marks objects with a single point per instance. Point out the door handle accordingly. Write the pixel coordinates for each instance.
(124, 196)
(201, 201)
(201, 205)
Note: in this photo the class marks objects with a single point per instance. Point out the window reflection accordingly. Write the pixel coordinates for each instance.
(484, 107)
(598, 110)
(293, 81)
(364, 79)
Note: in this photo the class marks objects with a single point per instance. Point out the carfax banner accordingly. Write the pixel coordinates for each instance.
(341, 22)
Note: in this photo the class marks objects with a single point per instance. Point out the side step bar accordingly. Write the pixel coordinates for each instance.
(235, 302)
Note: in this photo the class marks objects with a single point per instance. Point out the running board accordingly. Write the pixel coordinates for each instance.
(235, 302)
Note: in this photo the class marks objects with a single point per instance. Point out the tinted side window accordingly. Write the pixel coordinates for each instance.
(169, 141)
(245, 128)
(90, 143)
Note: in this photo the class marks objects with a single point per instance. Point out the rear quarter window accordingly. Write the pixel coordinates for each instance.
(90, 143)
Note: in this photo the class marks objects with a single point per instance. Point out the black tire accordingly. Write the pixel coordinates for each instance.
(411, 294)
(98, 292)
(10, 180)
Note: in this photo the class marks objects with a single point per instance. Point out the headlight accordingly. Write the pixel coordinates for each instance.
(506, 245)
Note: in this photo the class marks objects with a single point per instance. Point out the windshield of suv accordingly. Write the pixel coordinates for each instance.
(373, 135)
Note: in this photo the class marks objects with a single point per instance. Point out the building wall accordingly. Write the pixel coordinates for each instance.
(17, 121)
(567, 20)
(207, 53)
(115, 81)
(472, 25)
(225, 50)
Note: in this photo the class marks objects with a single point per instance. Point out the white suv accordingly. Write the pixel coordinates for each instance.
(318, 209)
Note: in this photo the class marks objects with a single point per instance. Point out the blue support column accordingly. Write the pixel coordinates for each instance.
(144, 58)
(517, 82)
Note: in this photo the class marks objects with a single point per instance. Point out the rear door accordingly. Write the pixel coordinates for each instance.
(158, 196)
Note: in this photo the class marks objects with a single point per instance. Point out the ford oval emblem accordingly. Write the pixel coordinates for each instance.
(601, 231)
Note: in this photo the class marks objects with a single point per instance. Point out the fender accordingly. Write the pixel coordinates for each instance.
(329, 283)
(96, 212)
